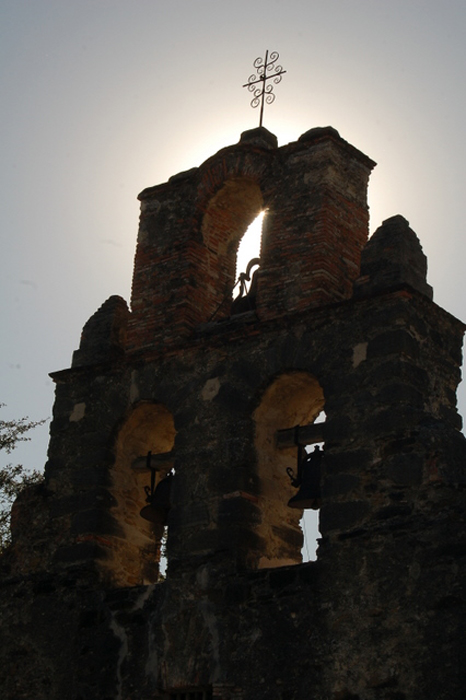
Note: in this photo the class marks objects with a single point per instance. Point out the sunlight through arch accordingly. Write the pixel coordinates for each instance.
(250, 244)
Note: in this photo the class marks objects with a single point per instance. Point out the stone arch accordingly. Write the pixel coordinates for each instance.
(228, 214)
(293, 398)
(136, 552)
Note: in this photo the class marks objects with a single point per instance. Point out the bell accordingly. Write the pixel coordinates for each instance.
(305, 498)
(158, 501)
(308, 480)
(246, 299)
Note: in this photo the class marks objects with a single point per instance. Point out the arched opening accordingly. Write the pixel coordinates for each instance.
(136, 552)
(293, 399)
(228, 215)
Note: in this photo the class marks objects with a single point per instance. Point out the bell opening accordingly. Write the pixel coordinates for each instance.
(310, 520)
(287, 410)
(147, 429)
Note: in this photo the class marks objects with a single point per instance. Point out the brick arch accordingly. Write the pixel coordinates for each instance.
(233, 187)
(182, 273)
(239, 161)
(228, 214)
(293, 398)
(135, 550)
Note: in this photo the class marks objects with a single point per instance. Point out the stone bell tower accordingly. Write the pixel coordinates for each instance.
(218, 395)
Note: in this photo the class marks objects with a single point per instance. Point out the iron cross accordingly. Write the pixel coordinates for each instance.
(264, 93)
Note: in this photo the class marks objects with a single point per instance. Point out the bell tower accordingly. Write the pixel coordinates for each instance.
(192, 409)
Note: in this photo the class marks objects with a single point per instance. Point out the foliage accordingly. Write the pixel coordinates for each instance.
(13, 479)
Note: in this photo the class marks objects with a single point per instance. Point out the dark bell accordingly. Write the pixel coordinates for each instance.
(152, 515)
(308, 495)
(158, 503)
(305, 498)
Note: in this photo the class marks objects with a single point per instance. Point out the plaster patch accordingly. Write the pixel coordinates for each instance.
(202, 577)
(359, 353)
(210, 389)
(78, 412)
(120, 634)
(211, 622)
(143, 598)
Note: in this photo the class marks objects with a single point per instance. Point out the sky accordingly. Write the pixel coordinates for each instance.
(102, 98)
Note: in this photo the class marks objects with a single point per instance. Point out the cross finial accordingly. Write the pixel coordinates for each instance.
(264, 93)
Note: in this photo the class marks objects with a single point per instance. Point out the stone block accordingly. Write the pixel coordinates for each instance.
(398, 342)
(283, 577)
(400, 392)
(351, 461)
(342, 516)
(339, 484)
(86, 500)
(81, 552)
(398, 510)
(238, 511)
(96, 521)
(404, 469)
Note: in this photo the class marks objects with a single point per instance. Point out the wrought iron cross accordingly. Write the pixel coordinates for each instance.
(264, 93)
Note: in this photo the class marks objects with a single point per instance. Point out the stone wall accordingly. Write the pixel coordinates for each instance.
(380, 614)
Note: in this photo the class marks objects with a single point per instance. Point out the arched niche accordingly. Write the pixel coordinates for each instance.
(292, 399)
(227, 216)
(136, 554)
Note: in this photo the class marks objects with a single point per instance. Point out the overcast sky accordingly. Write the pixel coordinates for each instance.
(102, 98)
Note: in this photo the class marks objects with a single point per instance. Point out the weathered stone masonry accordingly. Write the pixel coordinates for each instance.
(339, 324)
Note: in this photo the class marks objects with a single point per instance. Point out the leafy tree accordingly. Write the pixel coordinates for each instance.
(13, 479)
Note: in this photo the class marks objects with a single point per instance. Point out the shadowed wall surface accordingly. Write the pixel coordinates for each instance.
(339, 324)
